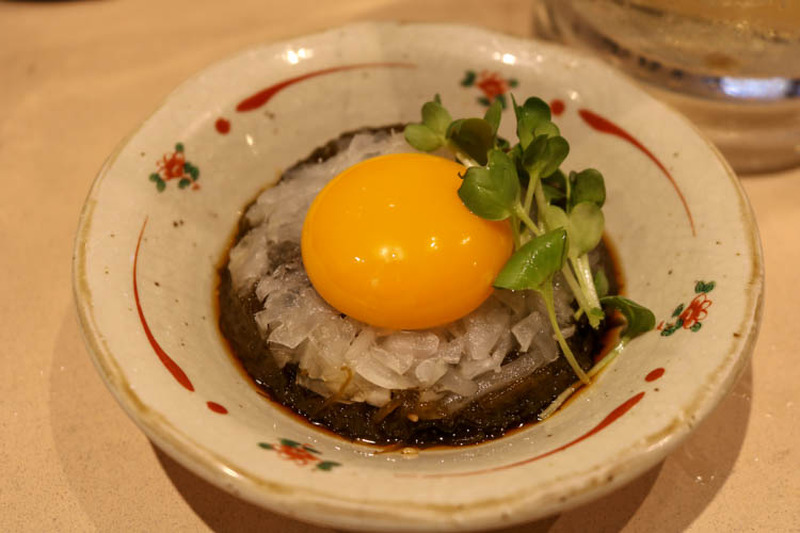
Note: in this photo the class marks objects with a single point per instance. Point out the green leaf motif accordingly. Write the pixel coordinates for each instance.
(155, 177)
(266, 445)
(666, 332)
(184, 182)
(327, 466)
(484, 101)
(309, 449)
(703, 287)
(535, 263)
(696, 327)
(678, 310)
(179, 147)
(469, 78)
(290, 443)
(161, 185)
(192, 170)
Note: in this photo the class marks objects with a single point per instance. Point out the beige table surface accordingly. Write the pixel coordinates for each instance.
(75, 78)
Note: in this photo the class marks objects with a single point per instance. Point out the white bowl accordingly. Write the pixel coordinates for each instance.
(148, 249)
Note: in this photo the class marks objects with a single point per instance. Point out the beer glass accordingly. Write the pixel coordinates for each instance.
(732, 66)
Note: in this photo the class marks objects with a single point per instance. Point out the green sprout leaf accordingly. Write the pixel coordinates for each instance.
(584, 226)
(436, 117)
(554, 234)
(530, 115)
(547, 128)
(472, 136)
(491, 192)
(422, 137)
(586, 223)
(601, 283)
(494, 114)
(557, 179)
(638, 319)
(553, 194)
(555, 187)
(544, 155)
(535, 263)
(555, 217)
(587, 186)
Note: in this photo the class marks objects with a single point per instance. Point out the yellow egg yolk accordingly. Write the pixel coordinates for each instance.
(389, 242)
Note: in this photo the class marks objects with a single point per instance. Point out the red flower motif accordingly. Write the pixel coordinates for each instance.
(172, 167)
(492, 84)
(298, 454)
(696, 311)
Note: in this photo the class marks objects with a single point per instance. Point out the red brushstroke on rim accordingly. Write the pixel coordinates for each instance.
(217, 408)
(172, 366)
(654, 375)
(607, 421)
(262, 97)
(557, 107)
(604, 125)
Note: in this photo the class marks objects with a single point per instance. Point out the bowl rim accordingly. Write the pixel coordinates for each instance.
(342, 512)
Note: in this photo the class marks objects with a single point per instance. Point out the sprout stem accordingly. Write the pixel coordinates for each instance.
(523, 216)
(580, 296)
(586, 280)
(515, 231)
(547, 295)
(463, 158)
(533, 182)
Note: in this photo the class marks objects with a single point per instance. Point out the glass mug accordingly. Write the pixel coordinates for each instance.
(732, 66)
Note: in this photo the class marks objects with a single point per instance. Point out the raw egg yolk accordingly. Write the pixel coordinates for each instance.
(389, 242)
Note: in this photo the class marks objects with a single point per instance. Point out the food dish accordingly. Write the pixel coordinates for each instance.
(159, 216)
(468, 363)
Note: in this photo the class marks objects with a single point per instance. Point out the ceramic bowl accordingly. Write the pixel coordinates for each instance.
(162, 212)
